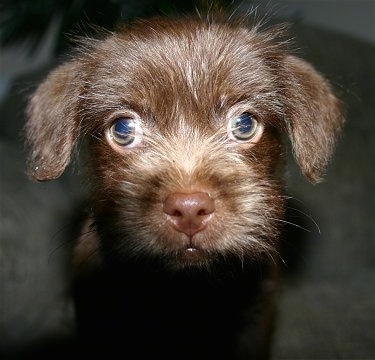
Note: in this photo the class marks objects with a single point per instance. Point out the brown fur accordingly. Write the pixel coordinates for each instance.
(183, 80)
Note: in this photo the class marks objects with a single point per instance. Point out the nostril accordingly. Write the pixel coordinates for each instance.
(176, 213)
(189, 213)
(202, 212)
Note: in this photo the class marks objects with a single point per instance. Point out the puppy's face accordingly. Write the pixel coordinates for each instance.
(184, 122)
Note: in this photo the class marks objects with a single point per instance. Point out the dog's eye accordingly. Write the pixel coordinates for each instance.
(244, 127)
(125, 132)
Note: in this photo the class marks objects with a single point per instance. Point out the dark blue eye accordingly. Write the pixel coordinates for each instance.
(125, 132)
(243, 127)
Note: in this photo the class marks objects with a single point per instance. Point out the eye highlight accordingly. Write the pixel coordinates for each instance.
(125, 133)
(244, 127)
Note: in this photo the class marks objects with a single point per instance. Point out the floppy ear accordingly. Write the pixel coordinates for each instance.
(313, 116)
(52, 125)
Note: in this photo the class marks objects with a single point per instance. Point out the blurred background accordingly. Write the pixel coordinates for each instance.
(327, 300)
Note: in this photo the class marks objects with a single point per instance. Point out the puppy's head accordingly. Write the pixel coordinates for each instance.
(184, 121)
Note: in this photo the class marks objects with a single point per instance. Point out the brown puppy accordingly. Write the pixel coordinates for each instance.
(184, 122)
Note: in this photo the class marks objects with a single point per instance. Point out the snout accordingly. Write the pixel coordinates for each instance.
(189, 213)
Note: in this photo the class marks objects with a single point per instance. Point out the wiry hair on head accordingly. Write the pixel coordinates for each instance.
(182, 82)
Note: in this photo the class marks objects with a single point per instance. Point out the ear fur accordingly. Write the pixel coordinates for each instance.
(313, 116)
(312, 111)
(52, 126)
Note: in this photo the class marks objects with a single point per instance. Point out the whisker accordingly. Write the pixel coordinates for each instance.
(291, 223)
(307, 216)
(61, 243)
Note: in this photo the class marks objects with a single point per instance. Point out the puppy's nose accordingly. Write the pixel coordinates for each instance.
(189, 213)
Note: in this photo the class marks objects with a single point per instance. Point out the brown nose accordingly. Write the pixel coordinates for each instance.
(189, 213)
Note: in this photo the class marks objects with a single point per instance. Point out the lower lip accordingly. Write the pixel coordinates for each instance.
(193, 255)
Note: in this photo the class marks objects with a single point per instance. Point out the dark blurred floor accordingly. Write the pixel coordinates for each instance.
(328, 301)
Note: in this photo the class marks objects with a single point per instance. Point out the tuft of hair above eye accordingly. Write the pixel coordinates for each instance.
(125, 133)
(244, 128)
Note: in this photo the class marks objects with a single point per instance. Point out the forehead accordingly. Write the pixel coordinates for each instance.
(166, 67)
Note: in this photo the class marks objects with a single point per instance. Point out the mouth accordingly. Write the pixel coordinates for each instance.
(192, 256)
